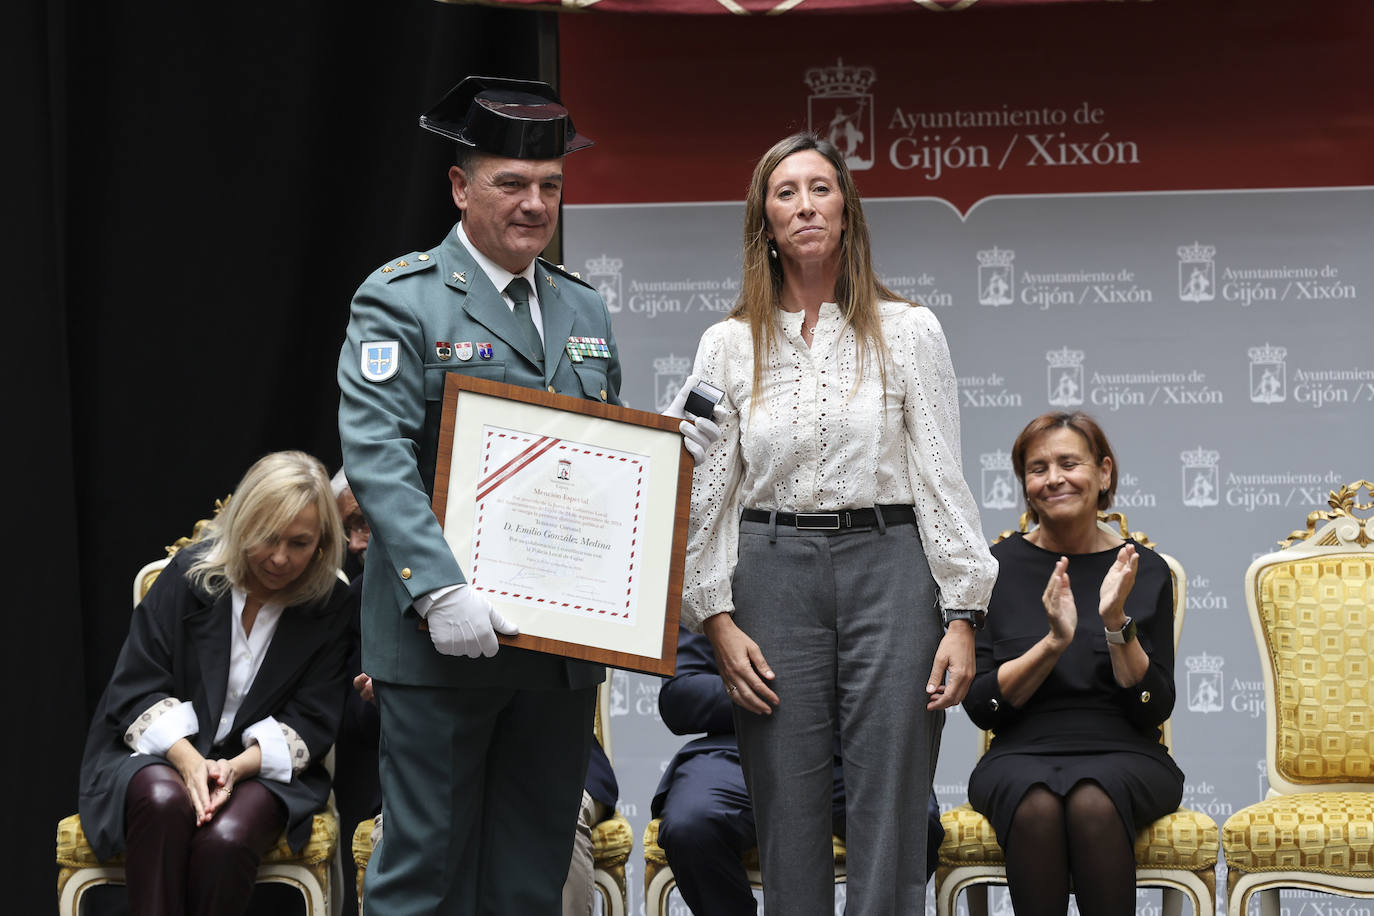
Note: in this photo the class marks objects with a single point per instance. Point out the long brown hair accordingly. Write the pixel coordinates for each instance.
(857, 289)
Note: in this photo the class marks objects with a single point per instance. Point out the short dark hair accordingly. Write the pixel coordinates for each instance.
(1080, 423)
(464, 155)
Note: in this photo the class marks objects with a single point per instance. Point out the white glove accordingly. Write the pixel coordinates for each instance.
(697, 433)
(462, 621)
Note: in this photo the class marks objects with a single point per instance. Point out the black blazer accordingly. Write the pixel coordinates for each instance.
(178, 646)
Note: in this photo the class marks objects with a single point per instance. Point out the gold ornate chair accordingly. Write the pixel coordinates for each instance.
(658, 874)
(1177, 853)
(1312, 610)
(612, 839)
(315, 871)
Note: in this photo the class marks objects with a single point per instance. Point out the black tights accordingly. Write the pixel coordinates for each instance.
(1077, 836)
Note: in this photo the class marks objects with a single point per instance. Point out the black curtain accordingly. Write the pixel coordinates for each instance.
(196, 190)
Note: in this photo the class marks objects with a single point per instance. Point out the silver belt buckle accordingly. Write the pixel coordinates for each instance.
(817, 521)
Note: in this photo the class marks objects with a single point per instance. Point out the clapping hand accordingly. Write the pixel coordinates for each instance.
(1116, 585)
(1059, 604)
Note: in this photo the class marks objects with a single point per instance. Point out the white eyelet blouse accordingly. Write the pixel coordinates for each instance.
(812, 442)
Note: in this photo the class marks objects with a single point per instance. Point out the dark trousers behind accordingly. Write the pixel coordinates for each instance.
(480, 792)
(708, 824)
(174, 867)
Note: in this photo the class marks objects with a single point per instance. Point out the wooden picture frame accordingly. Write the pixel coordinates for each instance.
(570, 516)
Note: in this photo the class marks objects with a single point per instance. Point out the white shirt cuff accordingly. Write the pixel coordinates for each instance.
(169, 728)
(276, 756)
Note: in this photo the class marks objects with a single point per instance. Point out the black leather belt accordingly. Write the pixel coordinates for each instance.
(835, 521)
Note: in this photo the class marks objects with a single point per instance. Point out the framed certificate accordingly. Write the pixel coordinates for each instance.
(570, 516)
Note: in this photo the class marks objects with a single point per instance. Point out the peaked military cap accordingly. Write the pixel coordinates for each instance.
(518, 119)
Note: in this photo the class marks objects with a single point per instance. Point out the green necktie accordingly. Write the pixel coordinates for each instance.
(519, 292)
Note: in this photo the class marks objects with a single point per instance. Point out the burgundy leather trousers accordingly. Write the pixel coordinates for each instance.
(174, 867)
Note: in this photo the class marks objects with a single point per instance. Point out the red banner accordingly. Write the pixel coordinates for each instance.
(1059, 99)
(763, 7)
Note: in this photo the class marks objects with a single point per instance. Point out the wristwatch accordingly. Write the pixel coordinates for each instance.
(974, 618)
(1122, 636)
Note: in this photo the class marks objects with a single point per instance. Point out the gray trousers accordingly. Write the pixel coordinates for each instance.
(848, 624)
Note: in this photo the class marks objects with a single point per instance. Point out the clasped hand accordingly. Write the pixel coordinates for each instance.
(209, 783)
(1061, 610)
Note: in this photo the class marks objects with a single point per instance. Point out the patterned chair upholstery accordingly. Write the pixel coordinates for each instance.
(612, 839)
(1177, 853)
(315, 871)
(658, 874)
(1312, 610)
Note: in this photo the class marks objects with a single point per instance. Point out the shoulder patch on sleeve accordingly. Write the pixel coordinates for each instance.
(380, 359)
(564, 272)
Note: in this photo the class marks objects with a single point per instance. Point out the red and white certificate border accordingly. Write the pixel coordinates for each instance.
(536, 447)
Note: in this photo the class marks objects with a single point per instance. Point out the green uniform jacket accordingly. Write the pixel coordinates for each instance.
(410, 311)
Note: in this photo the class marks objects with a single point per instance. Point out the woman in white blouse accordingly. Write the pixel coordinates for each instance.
(209, 739)
(831, 524)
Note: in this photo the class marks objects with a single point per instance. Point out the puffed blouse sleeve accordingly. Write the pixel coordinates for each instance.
(713, 541)
(946, 513)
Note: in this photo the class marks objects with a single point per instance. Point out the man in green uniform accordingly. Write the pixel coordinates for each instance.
(483, 753)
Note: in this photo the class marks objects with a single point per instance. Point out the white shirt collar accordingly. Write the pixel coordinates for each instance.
(498, 275)
(246, 652)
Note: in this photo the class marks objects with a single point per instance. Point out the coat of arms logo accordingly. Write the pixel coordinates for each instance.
(840, 109)
(1268, 374)
(999, 482)
(1065, 377)
(1197, 274)
(604, 274)
(1204, 683)
(1201, 483)
(996, 277)
(670, 373)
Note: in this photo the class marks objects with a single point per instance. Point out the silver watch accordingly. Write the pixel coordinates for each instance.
(1122, 636)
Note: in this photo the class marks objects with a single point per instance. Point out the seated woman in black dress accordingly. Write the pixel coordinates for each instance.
(1075, 674)
(210, 737)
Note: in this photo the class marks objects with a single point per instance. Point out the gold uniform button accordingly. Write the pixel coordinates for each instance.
(603, 394)
(551, 391)
(994, 704)
(424, 257)
(405, 573)
(1144, 696)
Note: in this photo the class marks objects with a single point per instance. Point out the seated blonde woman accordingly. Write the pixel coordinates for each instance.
(209, 739)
